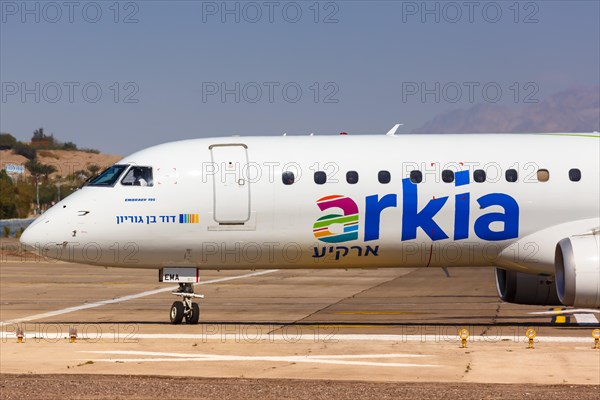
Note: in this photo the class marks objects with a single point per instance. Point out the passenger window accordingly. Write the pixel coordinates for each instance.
(320, 177)
(384, 176)
(543, 175)
(416, 176)
(511, 175)
(138, 176)
(352, 177)
(288, 178)
(479, 175)
(448, 176)
(574, 175)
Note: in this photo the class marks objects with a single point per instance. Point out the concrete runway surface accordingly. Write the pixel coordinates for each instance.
(388, 333)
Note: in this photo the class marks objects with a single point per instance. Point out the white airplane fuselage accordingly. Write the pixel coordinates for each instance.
(221, 203)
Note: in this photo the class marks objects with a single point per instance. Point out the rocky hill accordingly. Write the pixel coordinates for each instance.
(572, 110)
(66, 162)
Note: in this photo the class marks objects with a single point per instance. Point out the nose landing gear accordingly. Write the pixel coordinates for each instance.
(185, 308)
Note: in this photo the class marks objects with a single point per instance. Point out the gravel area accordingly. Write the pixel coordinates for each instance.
(152, 387)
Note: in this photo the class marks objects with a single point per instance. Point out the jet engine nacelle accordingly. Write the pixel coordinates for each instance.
(519, 288)
(577, 263)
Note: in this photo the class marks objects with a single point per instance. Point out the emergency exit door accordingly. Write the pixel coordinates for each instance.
(231, 188)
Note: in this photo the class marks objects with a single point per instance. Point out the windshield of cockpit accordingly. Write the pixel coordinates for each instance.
(109, 177)
(135, 176)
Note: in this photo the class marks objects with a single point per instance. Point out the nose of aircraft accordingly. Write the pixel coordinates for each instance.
(35, 235)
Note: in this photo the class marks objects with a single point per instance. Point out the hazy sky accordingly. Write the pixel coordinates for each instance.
(123, 76)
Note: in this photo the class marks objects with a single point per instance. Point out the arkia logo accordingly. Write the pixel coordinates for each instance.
(349, 219)
(486, 226)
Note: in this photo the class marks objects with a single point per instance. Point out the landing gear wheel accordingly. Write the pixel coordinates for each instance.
(193, 316)
(177, 312)
(185, 309)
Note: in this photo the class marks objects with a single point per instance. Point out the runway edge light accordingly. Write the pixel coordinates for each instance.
(20, 335)
(72, 334)
(596, 336)
(464, 335)
(530, 334)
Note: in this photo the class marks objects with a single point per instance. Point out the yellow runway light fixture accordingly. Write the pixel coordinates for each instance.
(530, 334)
(596, 336)
(72, 334)
(464, 335)
(20, 335)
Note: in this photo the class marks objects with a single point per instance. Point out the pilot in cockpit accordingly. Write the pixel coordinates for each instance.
(138, 176)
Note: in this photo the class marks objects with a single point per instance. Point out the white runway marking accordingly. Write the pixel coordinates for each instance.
(567, 311)
(126, 298)
(192, 355)
(583, 316)
(586, 319)
(315, 359)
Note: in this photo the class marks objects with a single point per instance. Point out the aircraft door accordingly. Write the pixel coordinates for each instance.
(231, 193)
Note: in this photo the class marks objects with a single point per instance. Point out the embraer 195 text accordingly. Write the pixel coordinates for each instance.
(525, 204)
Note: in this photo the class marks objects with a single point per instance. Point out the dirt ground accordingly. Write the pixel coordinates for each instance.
(155, 387)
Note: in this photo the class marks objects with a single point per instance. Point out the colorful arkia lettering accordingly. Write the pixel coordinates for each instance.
(348, 221)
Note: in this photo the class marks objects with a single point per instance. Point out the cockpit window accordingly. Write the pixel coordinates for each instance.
(109, 176)
(138, 176)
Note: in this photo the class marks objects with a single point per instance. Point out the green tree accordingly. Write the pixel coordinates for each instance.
(39, 170)
(7, 141)
(41, 140)
(69, 146)
(23, 198)
(38, 134)
(8, 208)
(94, 169)
(15, 198)
(25, 150)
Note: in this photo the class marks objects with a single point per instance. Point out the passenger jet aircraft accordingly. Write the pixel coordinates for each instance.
(525, 204)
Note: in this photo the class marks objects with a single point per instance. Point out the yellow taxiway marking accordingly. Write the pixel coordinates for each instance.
(559, 319)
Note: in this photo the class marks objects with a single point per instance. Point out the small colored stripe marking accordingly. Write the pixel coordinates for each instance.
(322, 233)
(335, 196)
(189, 218)
(339, 220)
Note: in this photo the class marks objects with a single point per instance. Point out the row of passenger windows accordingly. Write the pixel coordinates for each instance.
(416, 176)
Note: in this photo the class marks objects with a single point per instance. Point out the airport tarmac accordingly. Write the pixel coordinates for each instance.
(358, 327)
